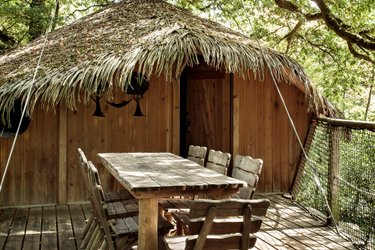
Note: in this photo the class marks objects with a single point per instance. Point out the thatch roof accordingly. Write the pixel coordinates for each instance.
(102, 50)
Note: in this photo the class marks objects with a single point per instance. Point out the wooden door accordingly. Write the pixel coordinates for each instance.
(206, 109)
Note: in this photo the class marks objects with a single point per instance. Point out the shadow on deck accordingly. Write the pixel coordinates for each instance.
(286, 226)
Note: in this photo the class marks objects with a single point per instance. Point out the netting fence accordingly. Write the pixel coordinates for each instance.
(340, 171)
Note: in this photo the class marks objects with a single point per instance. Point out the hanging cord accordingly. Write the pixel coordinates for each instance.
(317, 182)
(28, 95)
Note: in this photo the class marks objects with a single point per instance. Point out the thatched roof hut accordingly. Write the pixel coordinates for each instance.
(99, 53)
(102, 50)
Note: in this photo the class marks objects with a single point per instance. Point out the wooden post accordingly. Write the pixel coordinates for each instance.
(333, 173)
(63, 137)
(148, 224)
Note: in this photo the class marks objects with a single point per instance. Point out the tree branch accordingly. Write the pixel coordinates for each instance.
(340, 28)
(284, 4)
(289, 37)
(357, 54)
(320, 47)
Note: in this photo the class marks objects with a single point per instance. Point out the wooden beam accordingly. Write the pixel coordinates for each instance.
(349, 123)
(63, 152)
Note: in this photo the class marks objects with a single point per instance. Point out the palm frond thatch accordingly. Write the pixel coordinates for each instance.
(102, 50)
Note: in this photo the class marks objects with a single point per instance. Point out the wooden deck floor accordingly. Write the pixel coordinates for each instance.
(286, 226)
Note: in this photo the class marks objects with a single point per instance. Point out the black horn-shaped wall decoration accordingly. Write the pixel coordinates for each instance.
(137, 87)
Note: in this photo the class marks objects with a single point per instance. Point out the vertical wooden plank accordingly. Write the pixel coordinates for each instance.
(17, 231)
(49, 231)
(251, 116)
(63, 137)
(226, 104)
(236, 116)
(46, 157)
(284, 127)
(268, 133)
(277, 144)
(28, 184)
(148, 224)
(176, 116)
(260, 139)
(33, 229)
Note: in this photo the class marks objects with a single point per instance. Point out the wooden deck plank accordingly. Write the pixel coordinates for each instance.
(300, 217)
(65, 228)
(261, 244)
(17, 231)
(49, 230)
(286, 226)
(6, 219)
(33, 229)
(79, 221)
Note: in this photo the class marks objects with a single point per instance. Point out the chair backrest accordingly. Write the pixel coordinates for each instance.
(232, 223)
(218, 161)
(83, 164)
(197, 154)
(247, 169)
(98, 203)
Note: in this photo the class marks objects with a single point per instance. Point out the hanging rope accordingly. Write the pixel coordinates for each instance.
(28, 96)
(317, 182)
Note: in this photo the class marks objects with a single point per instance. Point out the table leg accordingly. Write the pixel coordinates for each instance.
(148, 224)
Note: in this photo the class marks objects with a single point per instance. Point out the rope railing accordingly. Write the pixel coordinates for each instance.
(341, 154)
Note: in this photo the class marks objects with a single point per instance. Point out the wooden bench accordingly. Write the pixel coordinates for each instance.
(221, 224)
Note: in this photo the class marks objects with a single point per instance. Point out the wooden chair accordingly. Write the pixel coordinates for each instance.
(218, 161)
(221, 224)
(118, 203)
(197, 154)
(247, 169)
(117, 233)
(109, 196)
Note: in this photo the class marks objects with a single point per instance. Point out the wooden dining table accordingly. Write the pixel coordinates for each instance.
(150, 177)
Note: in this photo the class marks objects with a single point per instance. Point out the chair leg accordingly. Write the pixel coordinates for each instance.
(104, 245)
(92, 239)
(97, 241)
(88, 235)
(87, 227)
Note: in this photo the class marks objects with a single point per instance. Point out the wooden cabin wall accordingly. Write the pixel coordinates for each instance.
(33, 171)
(45, 168)
(120, 131)
(262, 129)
